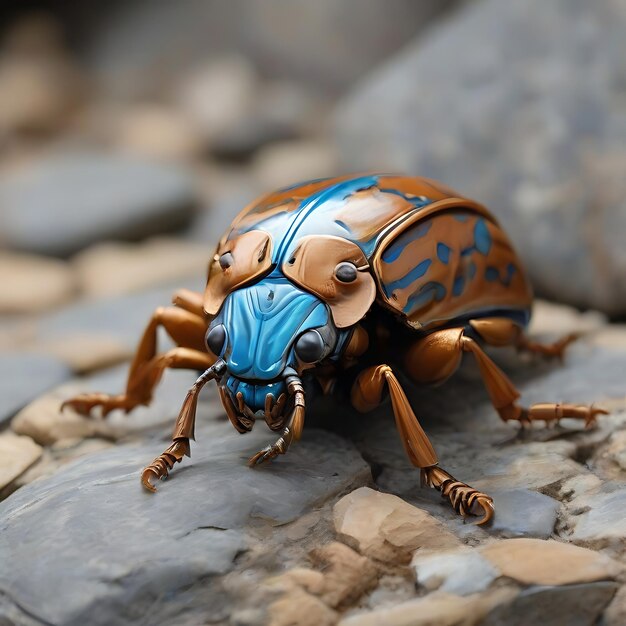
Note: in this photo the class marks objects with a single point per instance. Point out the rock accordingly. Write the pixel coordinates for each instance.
(24, 376)
(537, 562)
(575, 605)
(120, 319)
(32, 284)
(41, 85)
(59, 454)
(157, 132)
(85, 353)
(539, 137)
(62, 203)
(44, 421)
(386, 528)
(442, 609)
(301, 608)
(597, 519)
(17, 454)
(461, 572)
(218, 95)
(127, 554)
(286, 163)
(521, 512)
(615, 614)
(347, 574)
(114, 269)
(326, 44)
(557, 320)
(281, 111)
(615, 450)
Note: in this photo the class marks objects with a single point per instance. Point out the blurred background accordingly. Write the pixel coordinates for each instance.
(132, 132)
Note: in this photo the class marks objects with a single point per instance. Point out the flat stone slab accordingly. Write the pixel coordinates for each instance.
(89, 545)
(62, 203)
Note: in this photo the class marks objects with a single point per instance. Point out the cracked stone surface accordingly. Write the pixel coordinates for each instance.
(89, 545)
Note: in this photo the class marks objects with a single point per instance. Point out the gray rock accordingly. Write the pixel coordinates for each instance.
(122, 317)
(524, 513)
(462, 572)
(597, 519)
(61, 204)
(574, 605)
(520, 106)
(88, 545)
(24, 376)
(325, 43)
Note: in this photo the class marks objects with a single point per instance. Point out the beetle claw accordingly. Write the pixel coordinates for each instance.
(84, 403)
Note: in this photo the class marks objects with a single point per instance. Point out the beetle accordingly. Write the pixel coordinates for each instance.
(346, 279)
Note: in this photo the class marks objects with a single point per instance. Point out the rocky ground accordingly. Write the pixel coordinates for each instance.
(110, 204)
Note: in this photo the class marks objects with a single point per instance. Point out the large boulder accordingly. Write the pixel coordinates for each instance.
(519, 105)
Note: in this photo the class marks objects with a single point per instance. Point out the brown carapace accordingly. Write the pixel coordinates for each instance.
(339, 282)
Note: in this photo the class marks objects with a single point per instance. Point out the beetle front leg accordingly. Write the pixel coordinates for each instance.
(183, 430)
(367, 394)
(186, 327)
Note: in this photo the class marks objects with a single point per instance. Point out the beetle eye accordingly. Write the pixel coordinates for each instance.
(310, 347)
(226, 260)
(216, 339)
(346, 272)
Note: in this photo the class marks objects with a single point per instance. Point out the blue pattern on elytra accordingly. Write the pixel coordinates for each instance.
(482, 238)
(333, 194)
(471, 270)
(492, 274)
(426, 294)
(443, 253)
(460, 217)
(392, 253)
(417, 272)
(458, 285)
(417, 201)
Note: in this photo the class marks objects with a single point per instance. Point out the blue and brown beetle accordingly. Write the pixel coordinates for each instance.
(302, 288)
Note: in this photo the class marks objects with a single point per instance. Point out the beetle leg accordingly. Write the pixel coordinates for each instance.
(185, 327)
(293, 429)
(501, 331)
(183, 431)
(367, 394)
(504, 395)
(435, 357)
(550, 350)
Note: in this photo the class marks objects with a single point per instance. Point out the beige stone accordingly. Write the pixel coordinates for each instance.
(309, 580)
(33, 284)
(111, 269)
(17, 454)
(43, 420)
(347, 574)
(218, 95)
(435, 609)
(157, 132)
(539, 562)
(39, 82)
(386, 527)
(289, 162)
(556, 320)
(299, 608)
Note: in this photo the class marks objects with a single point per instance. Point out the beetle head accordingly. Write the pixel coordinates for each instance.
(280, 312)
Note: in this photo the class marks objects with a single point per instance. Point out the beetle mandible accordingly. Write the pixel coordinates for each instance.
(298, 291)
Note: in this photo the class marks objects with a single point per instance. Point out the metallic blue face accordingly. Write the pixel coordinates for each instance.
(262, 322)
